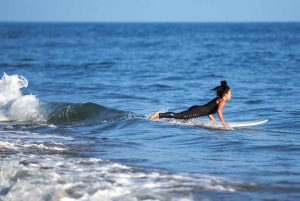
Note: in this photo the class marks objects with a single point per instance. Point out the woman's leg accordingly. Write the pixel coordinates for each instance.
(192, 112)
(154, 116)
(165, 115)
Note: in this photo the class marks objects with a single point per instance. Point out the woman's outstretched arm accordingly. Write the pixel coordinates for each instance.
(211, 117)
(220, 113)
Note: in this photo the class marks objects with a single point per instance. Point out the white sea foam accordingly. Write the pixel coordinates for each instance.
(18, 141)
(9, 87)
(14, 146)
(7, 145)
(42, 146)
(55, 177)
(35, 176)
(14, 106)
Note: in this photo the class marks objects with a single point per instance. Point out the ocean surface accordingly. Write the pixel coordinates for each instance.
(75, 99)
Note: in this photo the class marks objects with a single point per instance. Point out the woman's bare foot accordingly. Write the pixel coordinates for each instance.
(155, 116)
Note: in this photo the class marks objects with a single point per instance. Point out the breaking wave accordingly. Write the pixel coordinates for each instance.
(17, 107)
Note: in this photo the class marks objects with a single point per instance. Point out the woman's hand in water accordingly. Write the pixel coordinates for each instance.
(226, 124)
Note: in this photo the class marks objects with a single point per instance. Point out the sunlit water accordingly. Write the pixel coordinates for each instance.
(76, 98)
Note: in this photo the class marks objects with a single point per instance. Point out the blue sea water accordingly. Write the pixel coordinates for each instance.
(80, 129)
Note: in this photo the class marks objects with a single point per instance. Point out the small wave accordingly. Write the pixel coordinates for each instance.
(253, 102)
(68, 112)
(13, 146)
(16, 107)
(42, 146)
(17, 141)
(27, 59)
(7, 145)
(105, 64)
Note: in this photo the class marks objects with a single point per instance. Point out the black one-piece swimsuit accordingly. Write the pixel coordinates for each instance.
(194, 111)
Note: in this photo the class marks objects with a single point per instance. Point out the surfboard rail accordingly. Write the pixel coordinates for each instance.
(247, 123)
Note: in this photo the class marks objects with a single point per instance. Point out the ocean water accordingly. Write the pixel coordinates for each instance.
(75, 99)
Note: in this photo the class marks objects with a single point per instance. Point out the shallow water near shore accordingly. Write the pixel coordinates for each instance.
(76, 98)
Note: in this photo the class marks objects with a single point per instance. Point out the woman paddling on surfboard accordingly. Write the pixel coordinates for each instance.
(214, 106)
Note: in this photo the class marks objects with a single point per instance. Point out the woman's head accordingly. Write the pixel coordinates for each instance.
(223, 90)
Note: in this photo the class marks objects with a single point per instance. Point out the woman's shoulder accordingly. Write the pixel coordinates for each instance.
(219, 100)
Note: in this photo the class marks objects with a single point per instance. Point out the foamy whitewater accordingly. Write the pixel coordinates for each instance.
(75, 99)
(14, 106)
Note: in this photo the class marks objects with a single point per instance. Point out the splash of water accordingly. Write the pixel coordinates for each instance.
(14, 106)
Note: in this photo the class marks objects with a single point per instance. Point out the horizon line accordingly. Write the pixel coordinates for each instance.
(143, 22)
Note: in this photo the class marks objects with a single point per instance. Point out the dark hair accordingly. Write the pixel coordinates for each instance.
(222, 89)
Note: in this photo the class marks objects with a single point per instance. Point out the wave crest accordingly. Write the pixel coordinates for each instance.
(68, 112)
(16, 107)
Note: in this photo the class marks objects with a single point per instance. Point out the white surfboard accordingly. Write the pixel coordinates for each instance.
(247, 123)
